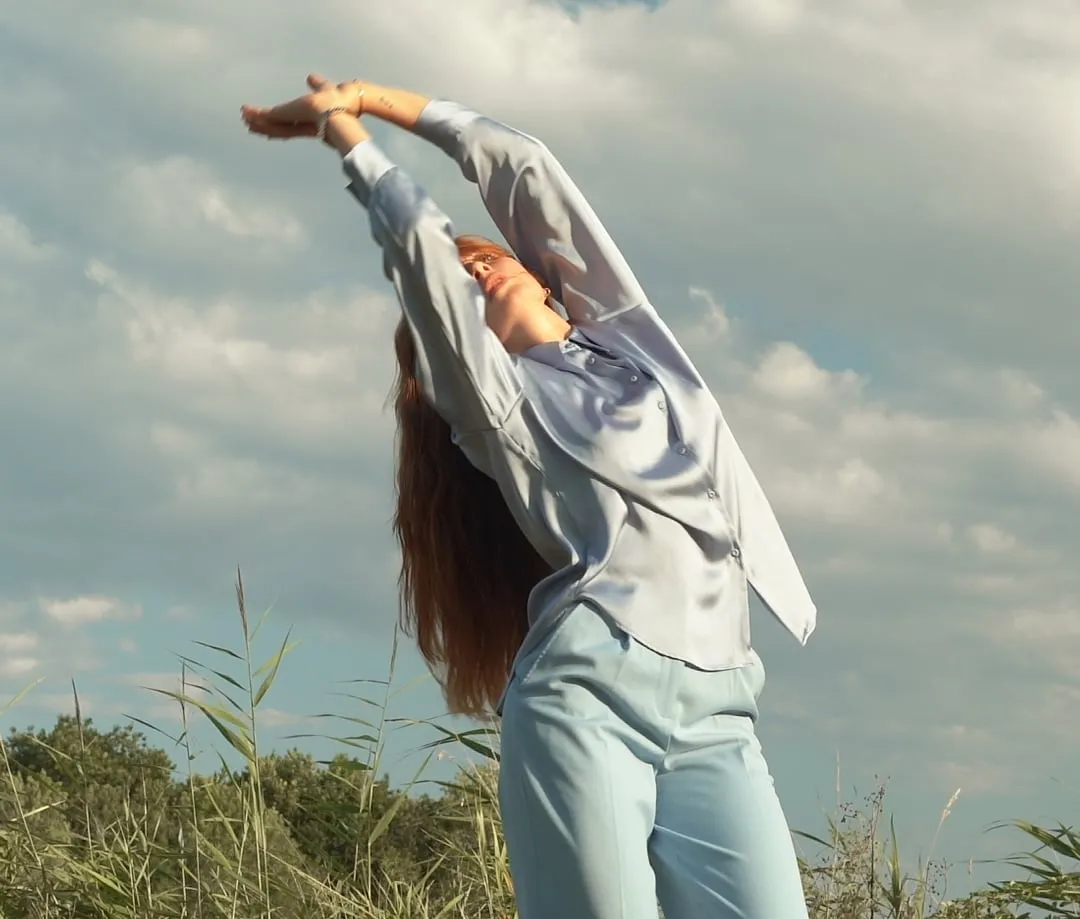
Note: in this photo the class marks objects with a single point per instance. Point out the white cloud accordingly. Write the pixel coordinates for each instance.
(128, 645)
(1048, 632)
(15, 667)
(991, 540)
(275, 718)
(17, 242)
(193, 684)
(978, 775)
(1055, 446)
(512, 51)
(994, 586)
(14, 642)
(163, 711)
(317, 375)
(64, 703)
(852, 491)
(55, 649)
(717, 323)
(160, 42)
(1018, 390)
(886, 427)
(211, 479)
(194, 348)
(769, 16)
(84, 610)
(180, 198)
(1058, 703)
(1057, 625)
(788, 372)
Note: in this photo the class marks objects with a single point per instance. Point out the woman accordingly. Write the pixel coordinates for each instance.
(578, 529)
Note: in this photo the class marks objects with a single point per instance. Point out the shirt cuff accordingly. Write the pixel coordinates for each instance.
(365, 165)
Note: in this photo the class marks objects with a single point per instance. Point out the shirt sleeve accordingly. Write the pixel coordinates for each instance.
(463, 369)
(538, 209)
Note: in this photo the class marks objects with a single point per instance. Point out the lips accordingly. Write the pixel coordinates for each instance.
(494, 284)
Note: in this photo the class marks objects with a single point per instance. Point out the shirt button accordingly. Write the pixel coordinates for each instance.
(633, 378)
(591, 359)
(681, 449)
(735, 551)
(661, 405)
(710, 494)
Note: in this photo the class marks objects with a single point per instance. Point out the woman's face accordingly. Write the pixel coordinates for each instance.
(511, 293)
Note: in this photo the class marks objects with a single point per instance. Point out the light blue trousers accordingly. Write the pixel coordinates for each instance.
(629, 778)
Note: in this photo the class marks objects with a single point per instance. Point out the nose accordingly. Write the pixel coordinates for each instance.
(479, 270)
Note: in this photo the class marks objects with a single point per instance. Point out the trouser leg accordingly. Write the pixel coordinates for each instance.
(721, 845)
(576, 788)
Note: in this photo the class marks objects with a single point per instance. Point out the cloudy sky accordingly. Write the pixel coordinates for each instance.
(861, 219)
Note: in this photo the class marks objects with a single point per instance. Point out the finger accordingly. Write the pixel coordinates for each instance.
(260, 120)
(281, 130)
(298, 109)
(259, 124)
(317, 81)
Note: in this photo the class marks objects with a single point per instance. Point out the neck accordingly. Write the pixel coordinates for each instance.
(541, 327)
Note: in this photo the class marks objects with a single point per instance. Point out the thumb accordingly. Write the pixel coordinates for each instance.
(316, 80)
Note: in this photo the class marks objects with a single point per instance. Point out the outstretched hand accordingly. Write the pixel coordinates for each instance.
(299, 117)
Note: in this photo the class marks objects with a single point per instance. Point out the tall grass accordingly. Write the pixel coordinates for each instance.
(211, 846)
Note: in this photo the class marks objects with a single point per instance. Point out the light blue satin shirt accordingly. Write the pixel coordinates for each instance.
(609, 448)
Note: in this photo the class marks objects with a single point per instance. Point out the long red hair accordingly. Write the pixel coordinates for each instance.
(466, 568)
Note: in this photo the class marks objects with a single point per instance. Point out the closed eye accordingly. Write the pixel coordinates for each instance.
(487, 258)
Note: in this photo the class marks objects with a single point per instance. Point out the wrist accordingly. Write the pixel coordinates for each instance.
(344, 131)
(326, 115)
(396, 106)
(356, 95)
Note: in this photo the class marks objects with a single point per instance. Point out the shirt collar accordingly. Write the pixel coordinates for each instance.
(557, 353)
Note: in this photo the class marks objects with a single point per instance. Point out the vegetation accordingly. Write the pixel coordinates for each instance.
(97, 824)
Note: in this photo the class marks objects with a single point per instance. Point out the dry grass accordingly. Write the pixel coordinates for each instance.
(219, 851)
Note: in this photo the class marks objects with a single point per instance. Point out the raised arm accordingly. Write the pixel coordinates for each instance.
(534, 203)
(463, 369)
